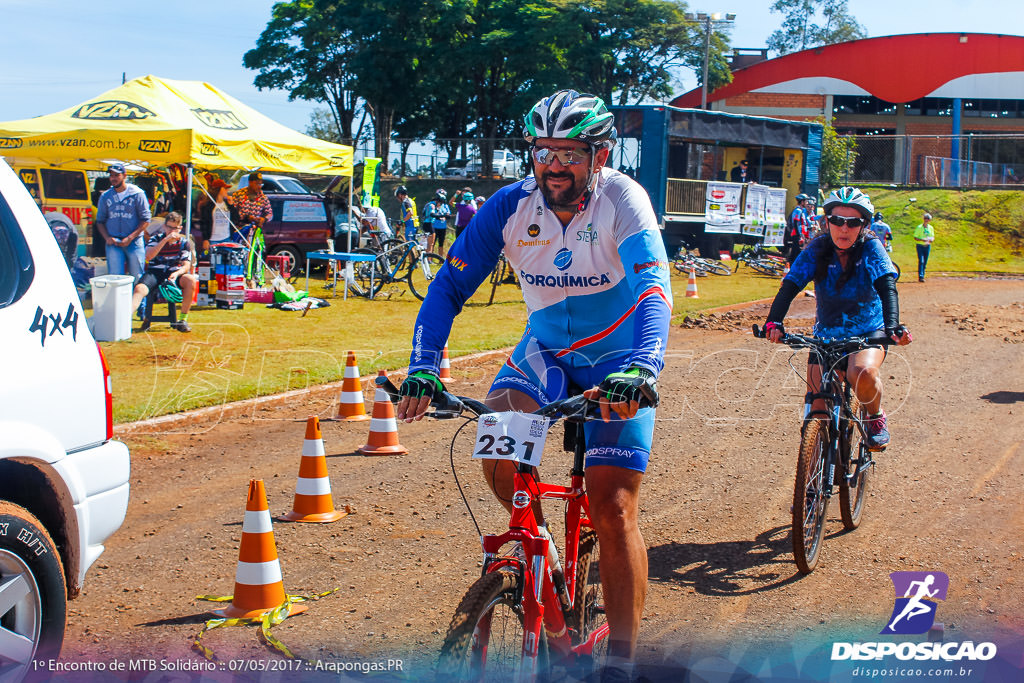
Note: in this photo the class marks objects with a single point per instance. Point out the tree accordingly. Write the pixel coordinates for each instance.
(799, 30)
(838, 155)
(625, 50)
(302, 50)
(324, 126)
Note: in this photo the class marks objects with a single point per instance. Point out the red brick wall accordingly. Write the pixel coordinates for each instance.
(773, 99)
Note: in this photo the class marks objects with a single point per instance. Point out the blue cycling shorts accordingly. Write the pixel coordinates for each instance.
(534, 371)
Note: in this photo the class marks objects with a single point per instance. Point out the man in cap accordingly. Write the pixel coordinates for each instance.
(121, 221)
(253, 210)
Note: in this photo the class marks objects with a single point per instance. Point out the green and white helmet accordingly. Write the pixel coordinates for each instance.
(852, 197)
(571, 115)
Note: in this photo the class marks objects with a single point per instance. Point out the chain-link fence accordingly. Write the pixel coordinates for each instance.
(973, 160)
(451, 158)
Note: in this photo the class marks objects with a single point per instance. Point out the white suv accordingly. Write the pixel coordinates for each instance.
(63, 479)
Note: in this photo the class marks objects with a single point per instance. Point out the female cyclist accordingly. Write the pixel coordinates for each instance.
(855, 283)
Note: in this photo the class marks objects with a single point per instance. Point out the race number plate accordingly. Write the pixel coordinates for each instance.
(511, 436)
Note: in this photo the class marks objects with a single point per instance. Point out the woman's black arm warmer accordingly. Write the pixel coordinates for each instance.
(886, 288)
(787, 292)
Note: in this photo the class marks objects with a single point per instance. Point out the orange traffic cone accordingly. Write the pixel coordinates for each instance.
(258, 585)
(313, 501)
(383, 438)
(691, 286)
(446, 364)
(350, 401)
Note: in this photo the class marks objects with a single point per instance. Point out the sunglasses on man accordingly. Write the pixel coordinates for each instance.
(567, 157)
(840, 221)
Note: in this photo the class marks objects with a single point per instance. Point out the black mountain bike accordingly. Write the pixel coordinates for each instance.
(832, 448)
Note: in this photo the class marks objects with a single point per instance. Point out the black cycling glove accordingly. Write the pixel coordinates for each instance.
(421, 383)
(632, 384)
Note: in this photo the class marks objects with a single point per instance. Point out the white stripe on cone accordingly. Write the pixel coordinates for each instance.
(312, 447)
(258, 573)
(350, 397)
(351, 371)
(313, 487)
(383, 424)
(257, 522)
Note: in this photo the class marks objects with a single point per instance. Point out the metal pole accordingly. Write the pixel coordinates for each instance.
(188, 205)
(707, 57)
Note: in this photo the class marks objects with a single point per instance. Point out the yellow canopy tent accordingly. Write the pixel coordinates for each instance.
(153, 120)
(157, 121)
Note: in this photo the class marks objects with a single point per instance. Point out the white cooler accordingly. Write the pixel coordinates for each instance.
(111, 307)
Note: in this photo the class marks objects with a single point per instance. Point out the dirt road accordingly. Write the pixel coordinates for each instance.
(946, 496)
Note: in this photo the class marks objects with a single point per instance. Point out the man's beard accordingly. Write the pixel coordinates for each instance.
(562, 200)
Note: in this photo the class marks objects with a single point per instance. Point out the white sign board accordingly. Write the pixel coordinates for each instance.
(722, 212)
(753, 214)
(775, 217)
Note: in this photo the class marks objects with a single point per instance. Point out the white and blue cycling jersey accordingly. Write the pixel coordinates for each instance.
(596, 290)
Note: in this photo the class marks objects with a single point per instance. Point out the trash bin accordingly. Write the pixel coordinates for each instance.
(112, 307)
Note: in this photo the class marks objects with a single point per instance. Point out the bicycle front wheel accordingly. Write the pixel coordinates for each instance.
(854, 456)
(365, 273)
(485, 637)
(809, 500)
(587, 613)
(423, 273)
(715, 267)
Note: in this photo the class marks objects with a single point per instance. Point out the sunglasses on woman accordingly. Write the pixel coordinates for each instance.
(567, 157)
(840, 221)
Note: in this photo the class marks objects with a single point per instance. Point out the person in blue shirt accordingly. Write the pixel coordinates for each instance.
(121, 218)
(855, 284)
(585, 244)
(798, 228)
(882, 229)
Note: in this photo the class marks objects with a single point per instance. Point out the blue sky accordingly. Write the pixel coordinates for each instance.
(57, 53)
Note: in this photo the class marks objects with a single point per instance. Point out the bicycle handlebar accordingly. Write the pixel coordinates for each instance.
(447, 406)
(847, 345)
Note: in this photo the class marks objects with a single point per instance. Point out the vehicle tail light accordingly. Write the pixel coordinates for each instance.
(108, 394)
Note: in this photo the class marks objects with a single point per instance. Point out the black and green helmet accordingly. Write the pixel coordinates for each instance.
(571, 115)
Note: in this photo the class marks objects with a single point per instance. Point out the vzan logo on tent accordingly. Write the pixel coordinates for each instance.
(161, 146)
(10, 143)
(220, 118)
(111, 109)
(209, 149)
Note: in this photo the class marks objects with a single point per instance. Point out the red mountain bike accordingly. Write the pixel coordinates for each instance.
(530, 612)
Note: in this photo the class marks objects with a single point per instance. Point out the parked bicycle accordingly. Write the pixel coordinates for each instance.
(763, 262)
(832, 449)
(398, 261)
(685, 260)
(525, 615)
(503, 273)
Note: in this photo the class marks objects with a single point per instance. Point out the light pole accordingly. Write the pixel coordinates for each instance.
(714, 20)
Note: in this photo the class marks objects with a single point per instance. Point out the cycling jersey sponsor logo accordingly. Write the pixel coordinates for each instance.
(532, 243)
(565, 280)
(563, 259)
(11, 143)
(637, 267)
(209, 149)
(533, 230)
(611, 450)
(587, 234)
(913, 612)
(160, 146)
(456, 263)
(225, 119)
(104, 110)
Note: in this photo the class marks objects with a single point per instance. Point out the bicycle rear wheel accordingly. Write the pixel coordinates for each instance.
(485, 637)
(423, 273)
(366, 272)
(854, 456)
(809, 501)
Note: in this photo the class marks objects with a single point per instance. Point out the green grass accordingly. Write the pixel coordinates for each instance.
(232, 355)
(975, 231)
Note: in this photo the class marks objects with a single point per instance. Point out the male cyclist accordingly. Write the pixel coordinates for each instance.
(585, 243)
(855, 283)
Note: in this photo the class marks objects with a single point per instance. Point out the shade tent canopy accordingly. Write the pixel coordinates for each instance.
(157, 121)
